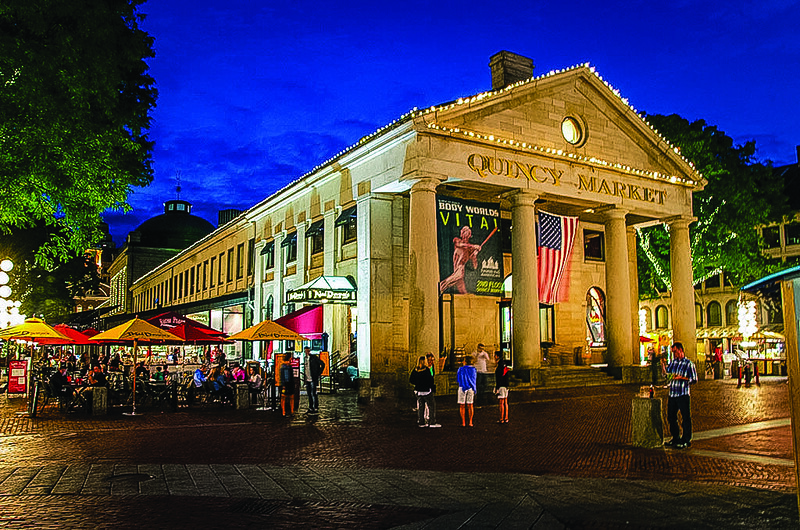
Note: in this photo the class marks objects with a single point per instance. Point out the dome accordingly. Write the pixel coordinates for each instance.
(176, 228)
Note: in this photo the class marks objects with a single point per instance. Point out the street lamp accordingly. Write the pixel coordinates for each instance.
(9, 309)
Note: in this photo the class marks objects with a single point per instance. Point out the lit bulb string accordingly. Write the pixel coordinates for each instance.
(416, 113)
(552, 151)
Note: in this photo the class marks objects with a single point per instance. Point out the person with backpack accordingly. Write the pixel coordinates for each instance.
(501, 376)
(314, 366)
(286, 373)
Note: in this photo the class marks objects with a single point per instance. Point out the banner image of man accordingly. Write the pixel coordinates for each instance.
(470, 251)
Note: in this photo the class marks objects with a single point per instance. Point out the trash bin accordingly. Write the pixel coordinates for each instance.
(734, 369)
(718, 369)
(776, 368)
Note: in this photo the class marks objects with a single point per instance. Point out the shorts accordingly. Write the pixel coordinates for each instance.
(465, 396)
(502, 392)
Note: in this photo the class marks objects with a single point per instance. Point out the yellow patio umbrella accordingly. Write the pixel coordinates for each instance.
(32, 329)
(135, 331)
(267, 330)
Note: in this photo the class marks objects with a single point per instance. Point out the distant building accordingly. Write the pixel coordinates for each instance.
(151, 244)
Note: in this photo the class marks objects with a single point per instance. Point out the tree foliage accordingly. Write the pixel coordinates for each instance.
(47, 292)
(74, 102)
(741, 194)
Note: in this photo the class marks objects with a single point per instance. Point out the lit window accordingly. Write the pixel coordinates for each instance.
(572, 131)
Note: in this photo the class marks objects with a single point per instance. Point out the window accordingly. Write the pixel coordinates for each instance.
(791, 232)
(251, 257)
(240, 260)
(211, 271)
(547, 323)
(205, 275)
(191, 281)
(698, 315)
(186, 283)
(596, 316)
(648, 319)
(219, 269)
(270, 307)
(732, 313)
(712, 282)
(180, 285)
(230, 265)
(594, 246)
(714, 314)
(290, 244)
(316, 235)
(347, 220)
(662, 317)
(269, 255)
(772, 236)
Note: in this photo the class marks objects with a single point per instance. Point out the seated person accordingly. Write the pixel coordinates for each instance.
(115, 363)
(141, 371)
(59, 384)
(237, 373)
(255, 384)
(97, 377)
(158, 376)
(223, 388)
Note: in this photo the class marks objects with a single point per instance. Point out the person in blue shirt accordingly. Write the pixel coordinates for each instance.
(467, 377)
(681, 374)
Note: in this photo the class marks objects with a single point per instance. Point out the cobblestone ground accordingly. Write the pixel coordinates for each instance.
(565, 460)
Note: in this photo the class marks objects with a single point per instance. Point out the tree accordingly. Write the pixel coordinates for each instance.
(741, 194)
(47, 292)
(74, 103)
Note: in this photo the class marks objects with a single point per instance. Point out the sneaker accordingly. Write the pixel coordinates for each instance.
(422, 425)
(684, 445)
(433, 425)
(672, 443)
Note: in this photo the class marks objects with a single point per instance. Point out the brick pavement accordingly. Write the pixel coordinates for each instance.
(564, 461)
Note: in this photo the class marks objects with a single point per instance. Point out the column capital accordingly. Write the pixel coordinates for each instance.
(615, 213)
(425, 184)
(522, 197)
(680, 221)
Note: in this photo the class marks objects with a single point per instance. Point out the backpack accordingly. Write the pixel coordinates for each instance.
(287, 373)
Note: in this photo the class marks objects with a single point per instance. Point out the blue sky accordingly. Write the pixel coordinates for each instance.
(254, 94)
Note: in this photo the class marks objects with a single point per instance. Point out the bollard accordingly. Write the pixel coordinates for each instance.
(99, 401)
(647, 426)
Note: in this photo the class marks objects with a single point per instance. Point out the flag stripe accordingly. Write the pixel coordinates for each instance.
(556, 240)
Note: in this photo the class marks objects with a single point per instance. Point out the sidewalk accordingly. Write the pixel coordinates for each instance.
(564, 462)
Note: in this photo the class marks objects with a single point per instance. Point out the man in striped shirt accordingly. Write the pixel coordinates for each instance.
(681, 374)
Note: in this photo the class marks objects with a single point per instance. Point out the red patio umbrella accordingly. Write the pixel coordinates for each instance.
(190, 333)
(77, 337)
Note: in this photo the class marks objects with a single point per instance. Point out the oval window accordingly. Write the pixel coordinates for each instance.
(571, 130)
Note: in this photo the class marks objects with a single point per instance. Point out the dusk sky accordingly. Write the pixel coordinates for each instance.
(254, 94)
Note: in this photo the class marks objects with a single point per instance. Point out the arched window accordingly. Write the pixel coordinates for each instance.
(698, 315)
(270, 307)
(648, 317)
(732, 313)
(714, 314)
(662, 317)
(596, 316)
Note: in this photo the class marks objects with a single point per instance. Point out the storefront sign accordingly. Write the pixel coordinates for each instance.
(470, 249)
(320, 295)
(17, 377)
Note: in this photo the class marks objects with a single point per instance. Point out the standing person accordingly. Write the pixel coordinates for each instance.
(501, 386)
(429, 360)
(481, 357)
(422, 379)
(466, 377)
(286, 375)
(681, 374)
(314, 367)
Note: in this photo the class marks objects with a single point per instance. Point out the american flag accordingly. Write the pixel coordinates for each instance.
(556, 238)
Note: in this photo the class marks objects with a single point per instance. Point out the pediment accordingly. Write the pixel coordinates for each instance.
(530, 114)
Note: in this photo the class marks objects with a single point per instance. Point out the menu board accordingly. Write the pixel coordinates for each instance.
(17, 377)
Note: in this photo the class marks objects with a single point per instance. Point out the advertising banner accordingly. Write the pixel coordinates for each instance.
(470, 249)
(17, 377)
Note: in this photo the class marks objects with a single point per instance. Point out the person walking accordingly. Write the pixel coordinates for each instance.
(286, 381)
(681, 374)
(422, 379)
(314, 367)
(501, 374)
(467, 380)
(429, 359)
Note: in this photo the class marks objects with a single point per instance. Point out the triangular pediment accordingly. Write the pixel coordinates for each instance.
(531, 114)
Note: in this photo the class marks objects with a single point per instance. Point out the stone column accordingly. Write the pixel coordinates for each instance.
(618, 284)
(680, 260)
(423, 269)
(633, 272)
(526, 346)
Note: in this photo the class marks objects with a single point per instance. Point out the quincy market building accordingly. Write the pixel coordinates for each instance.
(355, 240)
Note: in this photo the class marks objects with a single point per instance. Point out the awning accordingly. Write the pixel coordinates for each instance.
(306, 321)
(317, 227)
(346, 216)
(325, 289)
(291, 239)
(269, 247)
